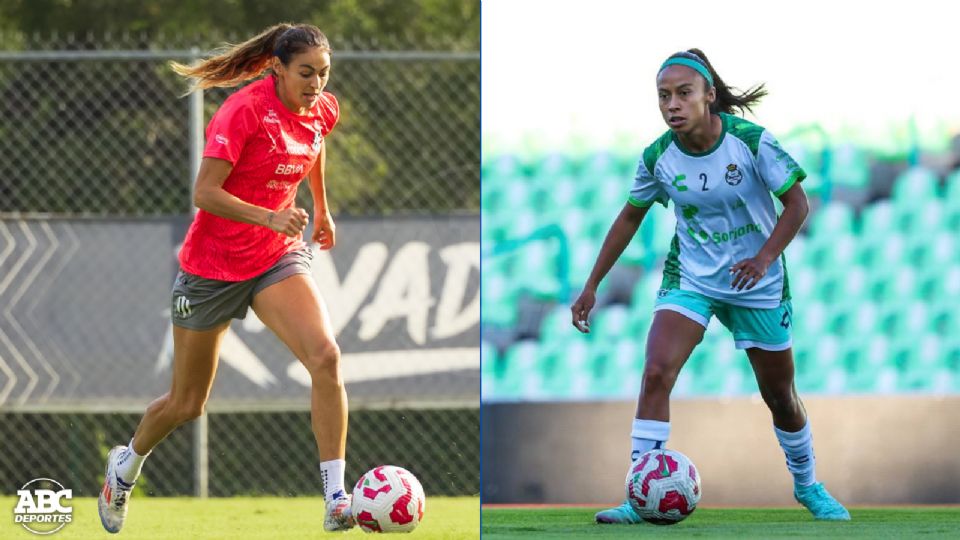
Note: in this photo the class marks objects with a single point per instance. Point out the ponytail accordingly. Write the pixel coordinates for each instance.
(238, 63)
(726, 101)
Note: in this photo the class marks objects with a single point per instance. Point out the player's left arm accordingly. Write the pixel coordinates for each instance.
(324, 230)
(747, 273)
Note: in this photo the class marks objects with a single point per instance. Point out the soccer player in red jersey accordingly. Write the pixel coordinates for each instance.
(245, 249)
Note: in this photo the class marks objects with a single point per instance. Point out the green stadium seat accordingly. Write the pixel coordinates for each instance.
(714, 368)
(563, 370)
(499, 299)
(924, 218)
(606, 196)
(836, 252)
(619, 371)
(599, 164)
(948, 284)
(869, 365)
(611, 323)
(521, 222)
(491, 370)
(814, 185)
(878, 220)
(887, 251)
(502, 166)
(935, 251)
(576, 224)
(833, 218)
(815, 363)
(645, 294)
(811, 319)
(555, 193)
(797, 252)
(852, 285)
(951, 193)
(583, 255)
(552, 164)
(848, 166)
(864, 319)
(535, 269)
(944, 317)
(803, 281)
(916, 185)
(900, 286)
(907, 320)
(518, 194)
(922, 364)
(520, 377)
(557, 326)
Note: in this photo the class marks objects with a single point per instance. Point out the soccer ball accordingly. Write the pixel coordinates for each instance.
(388, 499)
(663, 486)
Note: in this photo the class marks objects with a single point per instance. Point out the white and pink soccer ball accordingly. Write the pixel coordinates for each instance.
(663, 486)
(388, 499)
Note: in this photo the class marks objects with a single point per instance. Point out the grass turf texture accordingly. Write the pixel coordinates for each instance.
(239, 518)
(894, 522)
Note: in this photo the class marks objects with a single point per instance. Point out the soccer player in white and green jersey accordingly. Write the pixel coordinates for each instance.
(725, 260)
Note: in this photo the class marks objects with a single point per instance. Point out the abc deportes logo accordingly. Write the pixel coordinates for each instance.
(43, 510)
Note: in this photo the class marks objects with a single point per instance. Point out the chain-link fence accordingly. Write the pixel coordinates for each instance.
(97, 152)
(106, 132)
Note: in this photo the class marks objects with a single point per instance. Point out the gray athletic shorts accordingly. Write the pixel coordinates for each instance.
(201, 303)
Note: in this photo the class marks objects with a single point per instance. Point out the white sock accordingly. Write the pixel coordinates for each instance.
(129, 464)
(798, 448)
(331, 473)
(647, 435)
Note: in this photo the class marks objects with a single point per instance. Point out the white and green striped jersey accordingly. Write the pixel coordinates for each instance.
(723, 206)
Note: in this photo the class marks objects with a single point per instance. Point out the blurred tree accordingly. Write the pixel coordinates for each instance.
(421, 24)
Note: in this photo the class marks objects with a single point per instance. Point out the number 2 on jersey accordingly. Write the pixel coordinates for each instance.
(703, 176)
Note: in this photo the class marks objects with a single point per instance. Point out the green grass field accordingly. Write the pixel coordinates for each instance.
(899, 523)
(241, 518)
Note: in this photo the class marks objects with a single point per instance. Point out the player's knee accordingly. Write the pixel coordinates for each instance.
(189, 409)
(782, 402)
(324, 362)
(658, 376)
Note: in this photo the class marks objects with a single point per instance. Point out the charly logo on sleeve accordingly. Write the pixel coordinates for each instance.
(43, 506)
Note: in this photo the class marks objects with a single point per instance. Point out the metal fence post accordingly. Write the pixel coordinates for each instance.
(201, 472)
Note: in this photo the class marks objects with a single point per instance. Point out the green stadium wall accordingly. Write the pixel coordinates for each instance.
(870, 450)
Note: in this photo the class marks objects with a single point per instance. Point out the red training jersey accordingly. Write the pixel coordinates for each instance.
(272, 150)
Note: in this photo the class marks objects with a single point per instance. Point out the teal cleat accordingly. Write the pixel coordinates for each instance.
(820, 503)
(619, 514)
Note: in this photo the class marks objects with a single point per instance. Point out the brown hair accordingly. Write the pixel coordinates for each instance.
(237, 63)
(726, 101)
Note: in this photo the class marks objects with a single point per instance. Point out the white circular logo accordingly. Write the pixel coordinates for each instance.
(43, 509)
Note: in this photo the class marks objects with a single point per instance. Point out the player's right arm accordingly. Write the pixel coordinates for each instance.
(619, 235)
(210, 196)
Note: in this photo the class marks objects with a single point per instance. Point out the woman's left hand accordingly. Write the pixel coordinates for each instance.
(748, 272)
(324, 231)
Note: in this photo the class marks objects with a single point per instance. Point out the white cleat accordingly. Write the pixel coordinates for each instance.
(339, 516)
(112, 502)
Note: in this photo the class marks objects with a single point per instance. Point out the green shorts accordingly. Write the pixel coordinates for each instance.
(201, 304)
(767, 329)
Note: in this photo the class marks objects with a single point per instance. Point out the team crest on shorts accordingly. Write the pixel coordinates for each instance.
(734, 175)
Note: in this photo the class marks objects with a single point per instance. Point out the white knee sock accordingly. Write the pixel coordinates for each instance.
(647, 435)
(798, 448)
(331, 472)
(129, 464)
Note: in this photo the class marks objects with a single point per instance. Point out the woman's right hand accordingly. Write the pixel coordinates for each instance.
(289, 221)
(581, 310)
